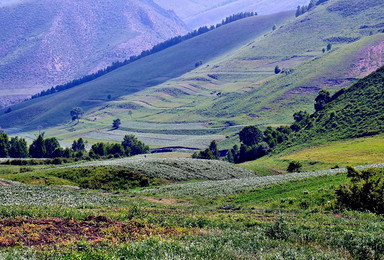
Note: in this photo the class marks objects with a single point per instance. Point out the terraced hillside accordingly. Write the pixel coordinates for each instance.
(144, 73)
(46, 43)
(242, 86)
(198, 13)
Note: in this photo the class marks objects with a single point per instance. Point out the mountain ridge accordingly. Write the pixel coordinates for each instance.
(95, 34)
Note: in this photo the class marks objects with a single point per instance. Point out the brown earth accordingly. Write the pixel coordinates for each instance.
(52, 231)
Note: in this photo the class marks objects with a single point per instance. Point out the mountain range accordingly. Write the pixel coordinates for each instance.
(44, 43)
(222, 79)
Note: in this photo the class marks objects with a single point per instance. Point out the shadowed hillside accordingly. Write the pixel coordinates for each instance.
(45, 43)
(147, 72)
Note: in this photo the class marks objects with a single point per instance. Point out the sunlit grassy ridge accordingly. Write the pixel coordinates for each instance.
(369, 150)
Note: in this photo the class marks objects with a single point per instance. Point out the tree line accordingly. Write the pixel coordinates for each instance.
(157, 48)
(41, 147)
(305, 8)
(256, 143)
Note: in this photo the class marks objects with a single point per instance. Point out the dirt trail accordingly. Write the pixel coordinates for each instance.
(167, 201)
(4, 183)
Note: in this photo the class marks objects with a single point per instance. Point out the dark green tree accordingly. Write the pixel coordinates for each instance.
(322, 99)
(294, 166)
(18, 148)
(116, 150)
(99, 149)
(214, 149)
(76, 113)
(78, 145)
(134, 146)
(4, 145)
(298, 11)
(329, 47)
(51, 144)
(251, 135)
(116, 123)
(37, 148)
(277, 69)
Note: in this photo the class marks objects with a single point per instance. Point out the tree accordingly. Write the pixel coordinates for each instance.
(130, 113)
(298, 11)
(251, 135)
(116, 149)
(37, 148)
(134, 146)
(300, 116)
(294, 166)
(277, 70)
(214, 149)
(322, 99)
(18, 148)
(274, 27)
(323, 50)
(99, 149)
(50, 144)
(329, 47)
(4, 145)
(116, 123)
(78, 145)
(76, 113)
(230, 157)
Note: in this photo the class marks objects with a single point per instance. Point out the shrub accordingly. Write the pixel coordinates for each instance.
(364, 192)
(294, 166)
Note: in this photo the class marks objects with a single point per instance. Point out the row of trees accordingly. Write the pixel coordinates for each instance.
(157, 48)
(305, 8)
(50, 148)
(256, 143)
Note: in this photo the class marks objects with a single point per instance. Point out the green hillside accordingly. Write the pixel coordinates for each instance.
(355, 112)
(173, 103)
(147, 72)
(249, 89)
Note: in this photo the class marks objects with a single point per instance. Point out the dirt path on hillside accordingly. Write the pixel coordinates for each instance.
(167, 201)
(4, 183)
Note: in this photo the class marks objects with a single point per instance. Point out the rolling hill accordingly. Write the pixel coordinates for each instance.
(357, 111)
(147, 72)
(242, 88)
(196, 13)
(45, 43)
(234, 86)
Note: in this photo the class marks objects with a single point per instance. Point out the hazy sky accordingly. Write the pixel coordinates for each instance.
(10, 2)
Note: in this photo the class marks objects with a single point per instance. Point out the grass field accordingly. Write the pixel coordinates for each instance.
(369, 150)
(294, 219)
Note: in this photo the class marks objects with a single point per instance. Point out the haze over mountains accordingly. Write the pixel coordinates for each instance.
(48, 42)
(224, 78)
(196, 13)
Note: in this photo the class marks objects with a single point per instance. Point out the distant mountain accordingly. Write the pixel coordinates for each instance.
(196, 13)
(48, 42)
(139, 75)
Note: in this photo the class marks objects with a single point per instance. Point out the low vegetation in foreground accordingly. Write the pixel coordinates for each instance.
(292, 216)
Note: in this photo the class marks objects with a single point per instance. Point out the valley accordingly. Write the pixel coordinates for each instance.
(260, 138)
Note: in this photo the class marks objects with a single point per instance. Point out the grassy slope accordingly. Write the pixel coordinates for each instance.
(360, 151)
(147, 72)
(251, 92)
